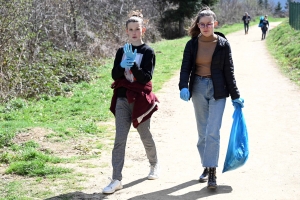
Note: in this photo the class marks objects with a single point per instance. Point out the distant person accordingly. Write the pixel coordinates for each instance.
(133, 101)
(264, 26)
(207, 76)
(246, 18)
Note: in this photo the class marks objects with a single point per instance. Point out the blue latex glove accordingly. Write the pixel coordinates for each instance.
(238, 102)
(126, 63)
(185, 94)
(128, 52)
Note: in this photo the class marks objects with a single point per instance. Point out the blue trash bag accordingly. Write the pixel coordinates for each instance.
(238, 147)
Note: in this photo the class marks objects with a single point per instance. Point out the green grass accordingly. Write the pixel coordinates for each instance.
(11, 191)
(81, 115)
(31, 189)
(168, 60)
(67, 116)
(35, 167)
(28, 161)
(284, 44)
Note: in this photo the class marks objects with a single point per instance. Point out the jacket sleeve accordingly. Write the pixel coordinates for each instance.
(229, 73)
(186, 66)
(143, 74)
(117, 71)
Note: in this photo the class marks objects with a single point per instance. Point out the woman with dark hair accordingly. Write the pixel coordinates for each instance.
(264, 27)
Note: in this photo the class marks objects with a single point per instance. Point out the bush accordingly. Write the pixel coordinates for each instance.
(50, 75)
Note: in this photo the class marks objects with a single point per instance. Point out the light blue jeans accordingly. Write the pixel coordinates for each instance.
(209, 113)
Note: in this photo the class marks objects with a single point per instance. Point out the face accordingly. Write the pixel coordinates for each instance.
(135, 32)
(206, 25)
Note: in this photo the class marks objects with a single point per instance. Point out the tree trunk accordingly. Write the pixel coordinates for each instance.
(74, 23)
(181, 27)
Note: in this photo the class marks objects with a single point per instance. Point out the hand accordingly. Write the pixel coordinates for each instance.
(126, 63)
(238, 102)
(185, 94)
(128, 51)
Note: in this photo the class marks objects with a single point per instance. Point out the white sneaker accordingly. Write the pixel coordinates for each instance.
(112, 187)
(154, 172)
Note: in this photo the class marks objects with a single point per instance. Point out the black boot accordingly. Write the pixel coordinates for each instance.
(203, 177)
(212, 178)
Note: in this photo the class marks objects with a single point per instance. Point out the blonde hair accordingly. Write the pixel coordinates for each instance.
(136, 16)
(205, 11)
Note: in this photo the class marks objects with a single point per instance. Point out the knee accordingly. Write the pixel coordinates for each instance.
(119, 143)
(213, 137)
(146, 138)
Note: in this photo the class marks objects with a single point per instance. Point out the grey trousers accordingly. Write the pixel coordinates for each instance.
(123, 124)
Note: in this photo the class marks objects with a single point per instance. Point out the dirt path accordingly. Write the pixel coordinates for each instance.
(272, 112)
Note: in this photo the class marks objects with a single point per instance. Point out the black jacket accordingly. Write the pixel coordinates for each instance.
(265, 24)
(246, 19)
(222, 69)
(142, 69)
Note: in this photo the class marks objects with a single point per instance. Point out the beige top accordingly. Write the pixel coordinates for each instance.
(206, 48)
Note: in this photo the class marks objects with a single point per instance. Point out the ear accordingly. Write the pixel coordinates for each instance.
(216, 23)
(143, 30)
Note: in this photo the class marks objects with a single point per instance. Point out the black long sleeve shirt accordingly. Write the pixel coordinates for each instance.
(142, 69)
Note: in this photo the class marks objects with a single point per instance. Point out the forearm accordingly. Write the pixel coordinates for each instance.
(142, 75)
(117, 71)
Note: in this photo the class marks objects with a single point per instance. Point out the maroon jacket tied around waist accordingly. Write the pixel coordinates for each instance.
(145, 101)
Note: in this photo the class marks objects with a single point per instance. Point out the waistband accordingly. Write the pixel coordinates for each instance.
(208, 76)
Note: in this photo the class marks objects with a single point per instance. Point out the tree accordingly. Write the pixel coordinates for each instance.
(181, 10)
(287, 4)
(209, 2)
(278, 8)
(260, 3)
(13, 44)
(266, 4)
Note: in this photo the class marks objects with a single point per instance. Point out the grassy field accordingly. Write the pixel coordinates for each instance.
(284, 44)
(35, 134)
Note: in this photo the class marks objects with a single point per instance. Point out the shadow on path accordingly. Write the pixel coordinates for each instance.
(193, 195)
(165, 194)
